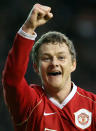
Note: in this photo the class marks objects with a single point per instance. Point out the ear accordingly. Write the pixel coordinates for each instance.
(73, 67)
(36, 68)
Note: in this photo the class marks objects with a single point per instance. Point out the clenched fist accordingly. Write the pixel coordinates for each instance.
(39, 15)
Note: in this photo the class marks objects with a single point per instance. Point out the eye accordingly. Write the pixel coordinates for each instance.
(46, 59)
(61, 57)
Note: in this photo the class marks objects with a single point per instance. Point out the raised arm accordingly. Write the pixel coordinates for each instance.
(16, 90)
(18, 56)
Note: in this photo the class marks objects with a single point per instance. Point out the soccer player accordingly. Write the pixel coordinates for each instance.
(57, 105)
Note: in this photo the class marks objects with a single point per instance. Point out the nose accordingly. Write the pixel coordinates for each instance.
(54, 62)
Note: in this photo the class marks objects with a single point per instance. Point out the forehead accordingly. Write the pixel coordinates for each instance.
(53, 48)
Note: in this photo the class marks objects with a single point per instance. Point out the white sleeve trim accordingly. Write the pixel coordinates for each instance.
(26, 35)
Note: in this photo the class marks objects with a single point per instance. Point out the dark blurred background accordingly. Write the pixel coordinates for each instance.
(75, 18)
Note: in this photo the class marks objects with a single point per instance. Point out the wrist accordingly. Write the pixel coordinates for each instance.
(28, 29)
(24, 34)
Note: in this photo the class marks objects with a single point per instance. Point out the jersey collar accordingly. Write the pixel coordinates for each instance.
(67, 99)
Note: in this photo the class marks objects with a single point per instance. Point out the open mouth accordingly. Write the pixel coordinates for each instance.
(54, 73)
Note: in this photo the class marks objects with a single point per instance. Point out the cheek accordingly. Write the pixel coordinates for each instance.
(42, 68)
(66, 67)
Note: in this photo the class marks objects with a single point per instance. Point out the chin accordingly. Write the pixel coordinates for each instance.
(55, 85)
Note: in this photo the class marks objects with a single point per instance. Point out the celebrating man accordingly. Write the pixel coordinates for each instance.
(57, 105)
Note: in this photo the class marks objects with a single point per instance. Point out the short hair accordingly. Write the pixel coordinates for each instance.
(53, 37)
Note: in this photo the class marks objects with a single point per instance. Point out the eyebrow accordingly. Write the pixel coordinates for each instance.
(47, 54)
(61, 53)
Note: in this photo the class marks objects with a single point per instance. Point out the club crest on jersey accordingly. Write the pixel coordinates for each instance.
(83, 118)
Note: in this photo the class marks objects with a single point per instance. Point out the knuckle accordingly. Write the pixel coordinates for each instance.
(49, 8)
(37, 5)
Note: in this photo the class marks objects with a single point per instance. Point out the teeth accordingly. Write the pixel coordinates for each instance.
(54, 73)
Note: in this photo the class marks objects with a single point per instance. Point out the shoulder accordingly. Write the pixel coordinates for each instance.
(37, 89)
(86, 95)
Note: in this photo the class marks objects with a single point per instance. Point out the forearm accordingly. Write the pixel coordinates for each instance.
(17, 60)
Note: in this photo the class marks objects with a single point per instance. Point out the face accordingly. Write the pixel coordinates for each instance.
(55, 65)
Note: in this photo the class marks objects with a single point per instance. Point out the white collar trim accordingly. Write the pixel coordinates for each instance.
(67, 99)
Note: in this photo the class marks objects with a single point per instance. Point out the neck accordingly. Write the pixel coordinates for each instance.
(60, 94)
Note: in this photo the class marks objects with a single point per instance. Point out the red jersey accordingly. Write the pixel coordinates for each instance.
(32, 109)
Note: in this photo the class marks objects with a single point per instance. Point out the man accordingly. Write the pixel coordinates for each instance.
(59, 105)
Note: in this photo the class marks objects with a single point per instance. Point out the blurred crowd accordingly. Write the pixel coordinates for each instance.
(77, 19)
